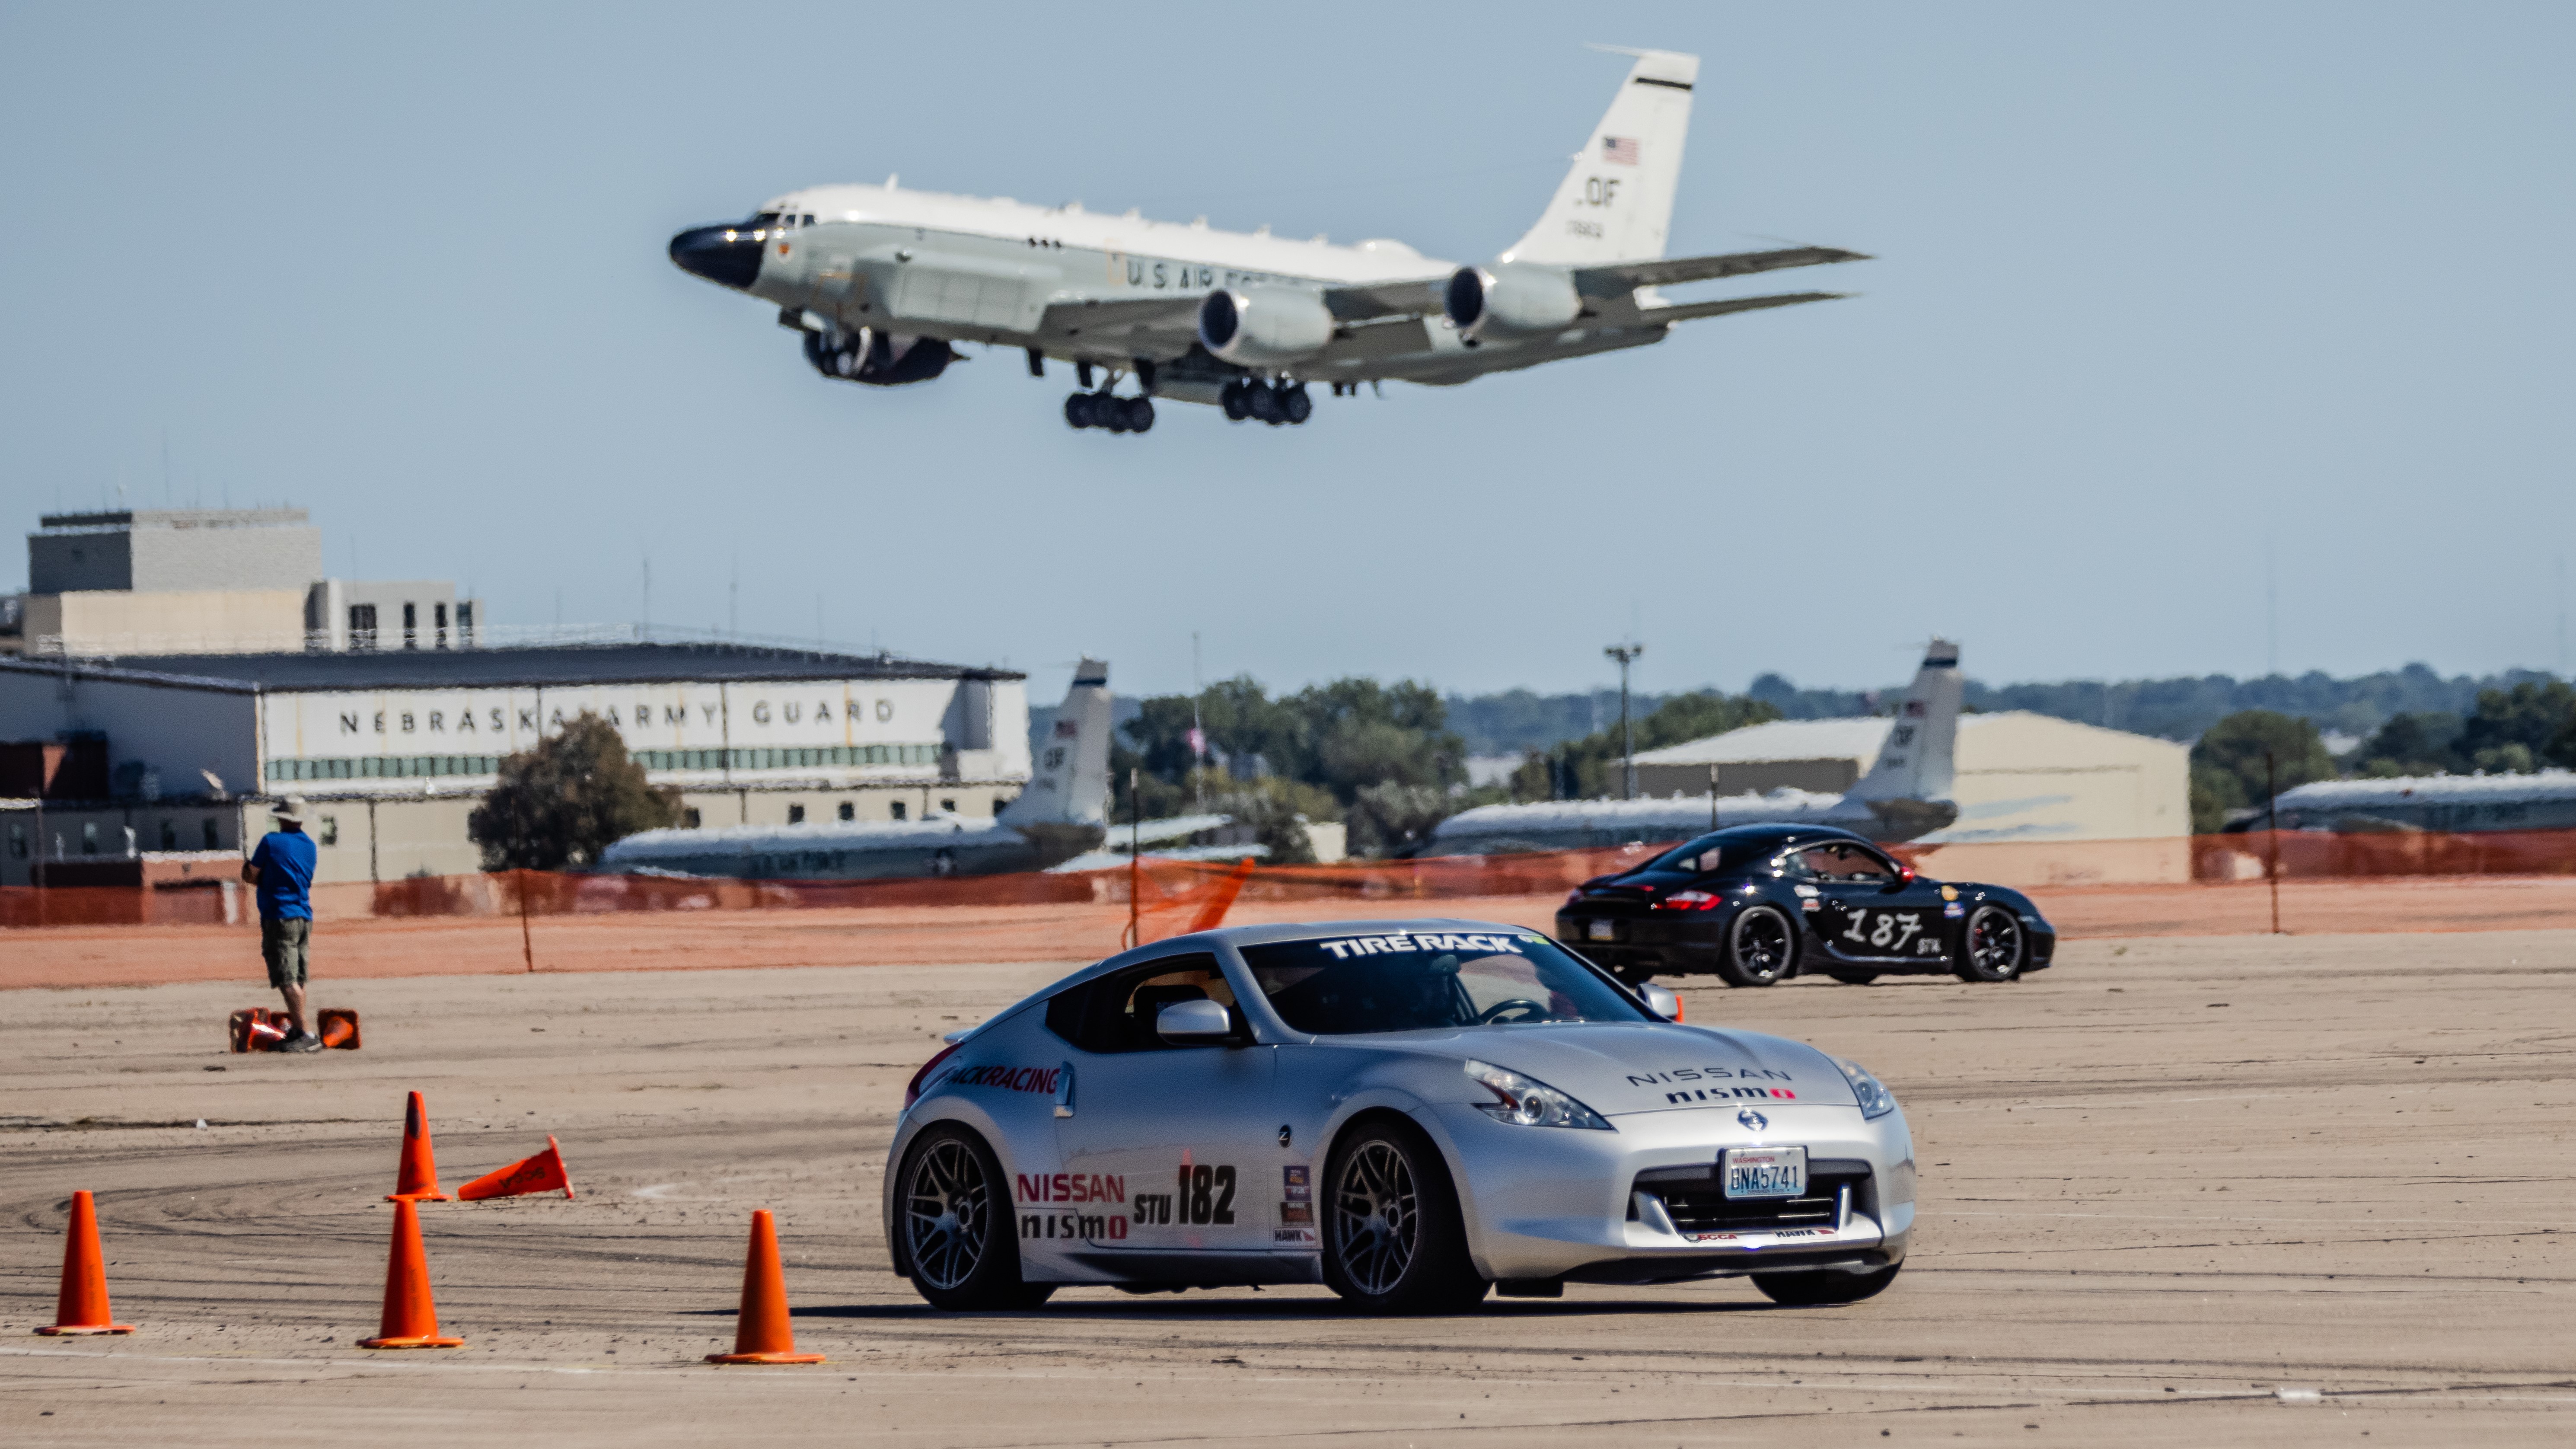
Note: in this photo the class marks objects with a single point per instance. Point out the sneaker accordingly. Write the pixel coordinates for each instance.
(301, 1042)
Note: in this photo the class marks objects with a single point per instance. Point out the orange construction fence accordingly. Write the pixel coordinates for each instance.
(1174, 896)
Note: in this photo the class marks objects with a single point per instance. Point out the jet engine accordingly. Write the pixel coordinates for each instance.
(875, 358)
(1511, 300)
(1264, 326)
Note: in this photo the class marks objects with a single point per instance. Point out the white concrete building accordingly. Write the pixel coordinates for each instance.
(395, 746)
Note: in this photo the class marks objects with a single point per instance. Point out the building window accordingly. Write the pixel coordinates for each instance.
(362, 626)
(17, 840)
(849, 811)
(465, 624)
(897, 808)
(689, 818)
(214, 840)
(795, 814)
(329, 834)
(411, 626)
(438, 615)
(950, 806)
(169, 833)
(89, 837)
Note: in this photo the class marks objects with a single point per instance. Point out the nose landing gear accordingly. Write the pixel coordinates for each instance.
(1266, 402)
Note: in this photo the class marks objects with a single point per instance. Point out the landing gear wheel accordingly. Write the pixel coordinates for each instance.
(1294, 405)
(1140, 415)
(1235, 398)
(1761, 946)
(1077, 410)
(1991, 948)
(1854, 978)
(954, 1219)
(1109, 412)
(1262, 402)
(1815, 1290)
(1393, 1240)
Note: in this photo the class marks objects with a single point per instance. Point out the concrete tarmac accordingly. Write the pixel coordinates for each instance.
(2211, 1190)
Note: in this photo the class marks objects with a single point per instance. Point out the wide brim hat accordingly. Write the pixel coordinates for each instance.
(290, 808)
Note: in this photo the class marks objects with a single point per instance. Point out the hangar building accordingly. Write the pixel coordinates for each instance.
(118, 761)
(2027, 785)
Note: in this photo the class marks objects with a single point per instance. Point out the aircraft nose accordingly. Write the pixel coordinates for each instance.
(725, 254)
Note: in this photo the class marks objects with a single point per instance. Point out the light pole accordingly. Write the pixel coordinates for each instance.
(1626, 654)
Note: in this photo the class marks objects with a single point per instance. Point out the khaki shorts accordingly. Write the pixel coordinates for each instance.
(283, 943)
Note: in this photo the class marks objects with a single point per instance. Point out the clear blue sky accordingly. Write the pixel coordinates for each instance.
(2158, 284)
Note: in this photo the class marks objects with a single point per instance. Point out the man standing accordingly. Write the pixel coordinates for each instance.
(282, 870)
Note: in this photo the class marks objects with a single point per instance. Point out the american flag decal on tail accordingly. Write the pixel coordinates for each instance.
(1619, 150)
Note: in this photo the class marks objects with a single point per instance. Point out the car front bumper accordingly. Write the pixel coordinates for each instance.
(1555, 1203)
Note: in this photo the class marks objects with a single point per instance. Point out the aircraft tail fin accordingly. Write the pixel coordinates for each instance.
(1069, 784)
(1616, 204)
(1916, 767)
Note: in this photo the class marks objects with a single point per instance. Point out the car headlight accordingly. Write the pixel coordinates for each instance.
(1874, 1098)
(1529, 1101)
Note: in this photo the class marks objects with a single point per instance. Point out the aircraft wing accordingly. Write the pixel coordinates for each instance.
(1168, 318)
(1413, 298)
(1624, 277)
(1688, 310)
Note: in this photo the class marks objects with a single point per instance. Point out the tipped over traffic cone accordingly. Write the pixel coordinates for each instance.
(541, 1173)
(418, 1177)
(410, 1319)
(82, 1308)
(761, 1334)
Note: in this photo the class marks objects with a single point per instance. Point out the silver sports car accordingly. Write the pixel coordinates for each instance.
(1409, 1112)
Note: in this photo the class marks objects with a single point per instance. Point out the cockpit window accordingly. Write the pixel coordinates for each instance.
(1428, 980)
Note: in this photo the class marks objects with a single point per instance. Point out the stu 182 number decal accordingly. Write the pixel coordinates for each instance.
(1886, 933)
(1202, 1196)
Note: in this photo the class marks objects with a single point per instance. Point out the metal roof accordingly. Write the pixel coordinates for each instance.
(637, 663)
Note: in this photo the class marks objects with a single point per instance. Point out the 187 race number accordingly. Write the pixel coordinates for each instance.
(1886, 933)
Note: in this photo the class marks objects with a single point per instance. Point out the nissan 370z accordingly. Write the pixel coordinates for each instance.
(1410, 1113)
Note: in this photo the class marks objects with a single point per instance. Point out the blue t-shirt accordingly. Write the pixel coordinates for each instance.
(285, 861)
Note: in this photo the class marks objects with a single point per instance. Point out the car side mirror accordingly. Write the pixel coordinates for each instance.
(1661, 1001)
(1195, 1023)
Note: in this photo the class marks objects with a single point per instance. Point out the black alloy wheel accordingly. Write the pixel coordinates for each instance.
(1761, 946)
(954, 1215)
(1991, 948)
(1816, 1289)
(1393, 1239)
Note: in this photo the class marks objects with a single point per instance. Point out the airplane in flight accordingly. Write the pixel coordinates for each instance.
(884, 284)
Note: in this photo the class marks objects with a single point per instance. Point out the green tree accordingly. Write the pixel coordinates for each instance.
(562, 803)
(1591, 763)
(2512, 730)
(2227, 765)
(2411, 743)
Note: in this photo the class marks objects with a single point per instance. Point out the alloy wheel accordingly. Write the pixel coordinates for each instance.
(1377, 1215)
(948, 1212)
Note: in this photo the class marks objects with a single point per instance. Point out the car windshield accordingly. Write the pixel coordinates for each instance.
(1425, 980)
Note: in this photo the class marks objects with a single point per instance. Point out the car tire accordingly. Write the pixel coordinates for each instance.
(1761, 947)
(1854, 978)
(1993, 946)
(1820, 1289)
(963, 1257)
(1394, 1242)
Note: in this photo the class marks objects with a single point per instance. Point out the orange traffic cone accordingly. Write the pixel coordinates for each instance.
(410, 1319)
(541, 1173)
(82, 1308)
(418, 1178)
(761, 1334)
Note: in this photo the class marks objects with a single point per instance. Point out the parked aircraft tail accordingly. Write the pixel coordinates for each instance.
(1070, 782)
(1616, 205)
(1909, 787)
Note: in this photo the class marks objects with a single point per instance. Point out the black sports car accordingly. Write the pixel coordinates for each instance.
(1757, 904)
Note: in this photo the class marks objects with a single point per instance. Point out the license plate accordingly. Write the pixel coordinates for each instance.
(1765, 1171)
(1601, 930)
